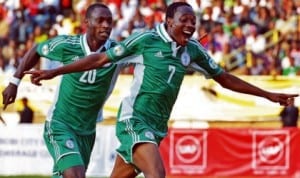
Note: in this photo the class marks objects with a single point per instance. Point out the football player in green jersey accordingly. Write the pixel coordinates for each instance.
(69, 131)
(161, 59)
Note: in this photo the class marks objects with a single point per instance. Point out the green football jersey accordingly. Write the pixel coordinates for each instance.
(80, 96)
(160, 66)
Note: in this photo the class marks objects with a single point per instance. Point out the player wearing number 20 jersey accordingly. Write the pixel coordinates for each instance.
(69, 130)
(71, 121)
(160, 66)
(81, 95)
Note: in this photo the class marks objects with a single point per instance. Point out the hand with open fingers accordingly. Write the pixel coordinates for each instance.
(38, 75)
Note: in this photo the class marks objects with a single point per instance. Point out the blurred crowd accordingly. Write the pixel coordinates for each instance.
(248, 37)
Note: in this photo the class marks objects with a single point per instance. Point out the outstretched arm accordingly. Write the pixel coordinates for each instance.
(234, 83)
(30, 59)
(92, 61)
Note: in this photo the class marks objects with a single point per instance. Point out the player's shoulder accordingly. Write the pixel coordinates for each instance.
(73, 39)
(65, 37)
(60, 42)
(141, 38)
(151, 34)
(194, 45)
(194, 42)
(65, 40)
(143, 35)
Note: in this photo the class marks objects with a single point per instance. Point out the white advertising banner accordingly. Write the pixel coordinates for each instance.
(23, 152)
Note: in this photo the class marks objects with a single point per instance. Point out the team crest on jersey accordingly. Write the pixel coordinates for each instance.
(69, 144)
(45, 49)
(118, 50)
(212, 64)
(185, 59)
(149, 134)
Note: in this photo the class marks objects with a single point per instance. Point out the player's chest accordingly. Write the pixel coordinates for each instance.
(93, 76)
(165, 55)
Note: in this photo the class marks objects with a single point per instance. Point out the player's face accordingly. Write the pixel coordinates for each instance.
(99, 25)
(183, 25)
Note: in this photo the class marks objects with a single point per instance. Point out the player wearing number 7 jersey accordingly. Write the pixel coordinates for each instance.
(161, 58)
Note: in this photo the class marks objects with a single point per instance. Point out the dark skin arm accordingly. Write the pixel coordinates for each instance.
(30, 59)
(226, 80)
(234, 83)
(92, 61)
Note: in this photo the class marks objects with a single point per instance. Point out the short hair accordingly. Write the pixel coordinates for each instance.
(24, 99)
(172, 8)
(91, 8)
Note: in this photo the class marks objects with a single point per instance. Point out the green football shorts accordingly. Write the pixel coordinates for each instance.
(67, 148)
(131, 132)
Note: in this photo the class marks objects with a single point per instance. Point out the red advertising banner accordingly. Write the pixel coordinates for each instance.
(232, 152)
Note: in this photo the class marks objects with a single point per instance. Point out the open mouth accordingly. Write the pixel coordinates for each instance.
(187, 34)
(105, 34)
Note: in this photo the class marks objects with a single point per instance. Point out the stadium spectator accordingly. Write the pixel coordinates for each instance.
(4, 26)
(27, 113)
(215, 54)
(274, 67)
(261, 19)
(39, 35)
(2, 65)
(243, 18)
(227, 58)
(136, 24)
(70, 22)
(9, 55)
(162, 58)
(229, 24)
(58, 25)
(289, 67)
(255, 67)
(238, 39)
(237, 43)
(289, 115)
(9, 50)
(126, 13)
(295, 51)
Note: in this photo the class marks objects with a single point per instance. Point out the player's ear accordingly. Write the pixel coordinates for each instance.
(169, 22)
(86, 21)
